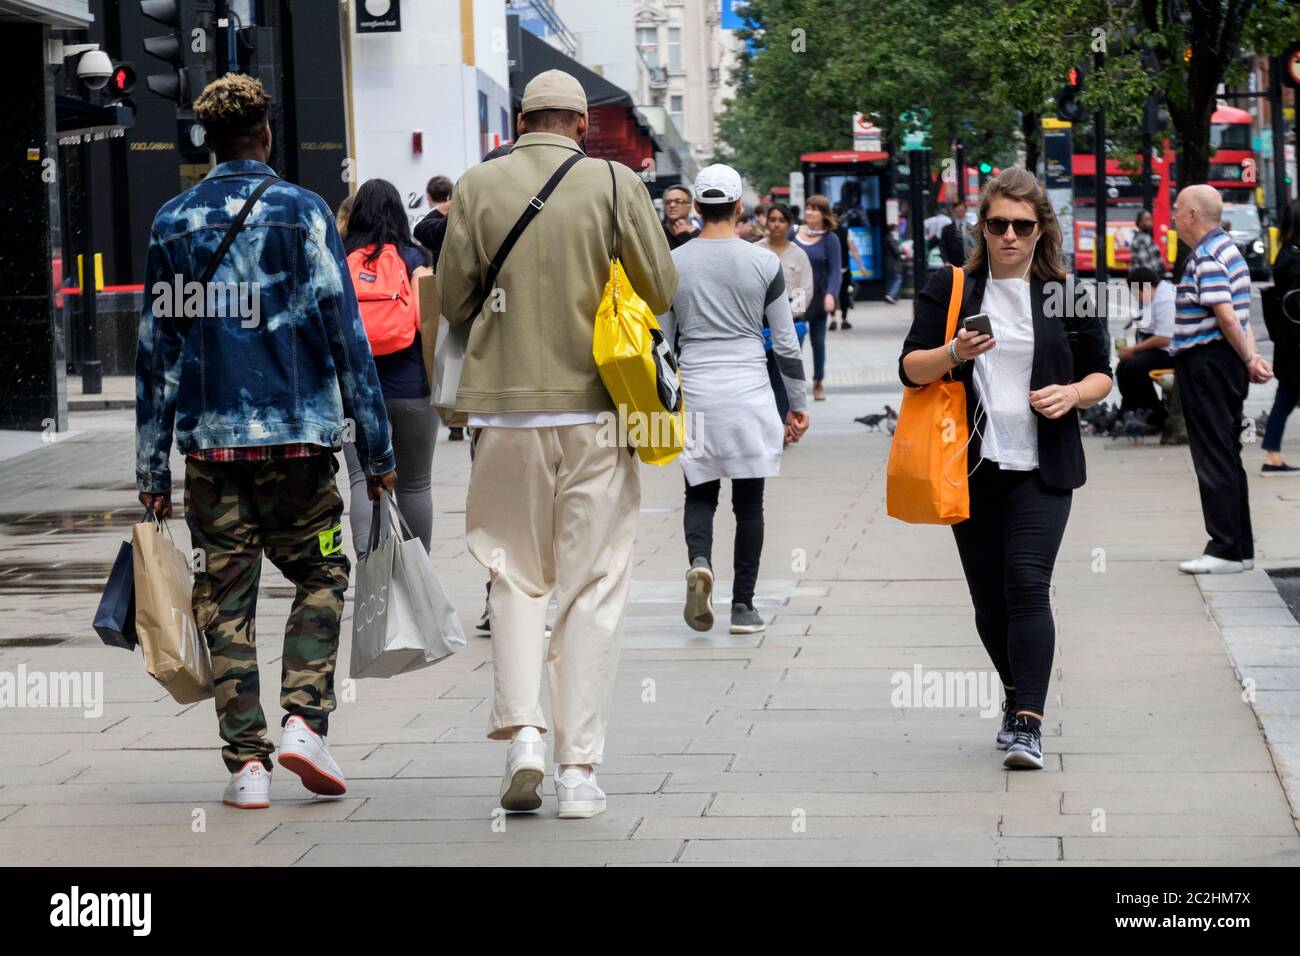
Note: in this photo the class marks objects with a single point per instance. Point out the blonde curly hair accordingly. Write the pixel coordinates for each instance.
(232, 107)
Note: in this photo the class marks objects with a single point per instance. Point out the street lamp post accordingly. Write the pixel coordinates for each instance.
(1099, 151)
(918, 166)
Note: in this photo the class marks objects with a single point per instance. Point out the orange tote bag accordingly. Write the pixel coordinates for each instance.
(926, 479)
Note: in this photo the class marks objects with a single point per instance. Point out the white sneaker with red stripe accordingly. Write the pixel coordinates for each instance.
(303, 751)
(249, 787)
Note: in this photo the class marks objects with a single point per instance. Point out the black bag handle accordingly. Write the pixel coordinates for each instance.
(232, 231)
(235, 226)
(530, 212)
(615, 237)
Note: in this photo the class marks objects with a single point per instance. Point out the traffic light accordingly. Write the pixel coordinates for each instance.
(122, 80)
(986, 168)
(170, 48)
(1068, 105)
(186, 49)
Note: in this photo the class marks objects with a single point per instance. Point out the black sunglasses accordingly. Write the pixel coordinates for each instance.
(1023, 227)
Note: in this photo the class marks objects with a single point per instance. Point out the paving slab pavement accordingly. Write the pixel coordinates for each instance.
(1172, 731)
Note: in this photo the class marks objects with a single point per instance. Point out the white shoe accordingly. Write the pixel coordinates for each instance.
(521, 788)
(249, 788)
(578, 794)
(1209, 564)
(303, 751)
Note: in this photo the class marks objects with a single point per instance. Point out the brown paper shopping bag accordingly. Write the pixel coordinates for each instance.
(427, 295)
(175, 654)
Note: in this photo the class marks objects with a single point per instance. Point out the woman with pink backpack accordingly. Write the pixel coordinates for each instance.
(385, 264)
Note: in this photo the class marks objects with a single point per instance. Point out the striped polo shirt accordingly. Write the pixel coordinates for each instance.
(1215, 273)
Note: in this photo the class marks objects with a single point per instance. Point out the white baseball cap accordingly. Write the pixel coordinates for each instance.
(718, 183)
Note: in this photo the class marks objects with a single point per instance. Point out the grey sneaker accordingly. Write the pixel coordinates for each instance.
(1026, 750)
(699, 595)
(745, 620)
(1007, 732)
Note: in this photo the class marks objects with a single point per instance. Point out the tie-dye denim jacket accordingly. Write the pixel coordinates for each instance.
(273, 351)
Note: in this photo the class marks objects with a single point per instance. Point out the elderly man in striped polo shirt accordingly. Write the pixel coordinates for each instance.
(1214, 362)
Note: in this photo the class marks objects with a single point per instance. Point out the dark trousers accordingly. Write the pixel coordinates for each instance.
(747, 505)
(1136, 389)
(1286, 399)
(816, 316)
(1008, 548)
(1212, 383)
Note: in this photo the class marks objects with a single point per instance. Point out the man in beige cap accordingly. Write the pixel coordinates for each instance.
(552, 504)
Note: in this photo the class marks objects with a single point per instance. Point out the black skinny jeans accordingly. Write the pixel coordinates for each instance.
(1008, 548)
(747, 505)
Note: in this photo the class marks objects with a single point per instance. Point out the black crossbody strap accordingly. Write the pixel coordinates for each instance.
(233, 229)
(533, 208)
(615, 236)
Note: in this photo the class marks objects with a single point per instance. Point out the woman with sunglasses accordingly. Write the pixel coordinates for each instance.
(1025, 458)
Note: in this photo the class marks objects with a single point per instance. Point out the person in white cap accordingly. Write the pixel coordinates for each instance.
(552, 506)
(726, 287)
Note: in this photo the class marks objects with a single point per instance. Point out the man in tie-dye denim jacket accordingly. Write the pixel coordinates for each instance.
(262, 373)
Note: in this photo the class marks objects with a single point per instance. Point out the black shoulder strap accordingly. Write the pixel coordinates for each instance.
(533, 208)
(235, 226)
(614, 235)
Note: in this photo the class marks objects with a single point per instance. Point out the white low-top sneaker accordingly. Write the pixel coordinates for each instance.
(578, 794)
(249, 787)
(521, 787)
(304, 752)
(1209, 564)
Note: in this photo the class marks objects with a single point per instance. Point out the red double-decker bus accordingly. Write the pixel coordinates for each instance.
(1233, 171)
(1123, 203)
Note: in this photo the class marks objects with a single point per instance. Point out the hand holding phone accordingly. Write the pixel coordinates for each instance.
(980, 322)
(975, 336)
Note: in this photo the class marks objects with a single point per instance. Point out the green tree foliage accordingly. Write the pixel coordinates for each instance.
(983, 70)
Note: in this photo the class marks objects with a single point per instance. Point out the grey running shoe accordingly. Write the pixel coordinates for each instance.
(1026, 750)
(745, 620)
(1007, 732)
(699, 595)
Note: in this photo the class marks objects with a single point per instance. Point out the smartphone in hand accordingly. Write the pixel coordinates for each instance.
(980, 322)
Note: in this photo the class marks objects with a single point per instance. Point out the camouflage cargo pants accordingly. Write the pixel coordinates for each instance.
(290, 510)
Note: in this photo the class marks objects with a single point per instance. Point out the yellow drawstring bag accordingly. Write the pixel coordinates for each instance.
(637, 365)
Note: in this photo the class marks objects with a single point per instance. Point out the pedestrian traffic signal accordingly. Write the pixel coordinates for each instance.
(986, 168)
(122, 80)
(1068, 105)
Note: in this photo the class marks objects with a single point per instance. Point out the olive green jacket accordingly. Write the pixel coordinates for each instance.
(530, 349)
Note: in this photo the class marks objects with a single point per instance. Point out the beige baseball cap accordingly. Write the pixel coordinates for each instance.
(554, 90)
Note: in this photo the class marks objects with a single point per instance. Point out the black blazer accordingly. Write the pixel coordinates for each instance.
(950, 245)
(1065, 350)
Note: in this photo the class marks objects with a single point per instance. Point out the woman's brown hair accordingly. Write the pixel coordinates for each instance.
(1019, 184)
(821, 203)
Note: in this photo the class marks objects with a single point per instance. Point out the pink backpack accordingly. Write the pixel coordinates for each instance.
(388, 308)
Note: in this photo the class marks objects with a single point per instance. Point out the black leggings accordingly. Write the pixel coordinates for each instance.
(1008, 548)
(747, 505)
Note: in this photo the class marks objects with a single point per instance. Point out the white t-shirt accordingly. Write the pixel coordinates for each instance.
(1158, 314)
(530, 419)
(1005, 419)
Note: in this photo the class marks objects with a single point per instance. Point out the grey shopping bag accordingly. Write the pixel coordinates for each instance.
(448, 360)
(401, 618)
